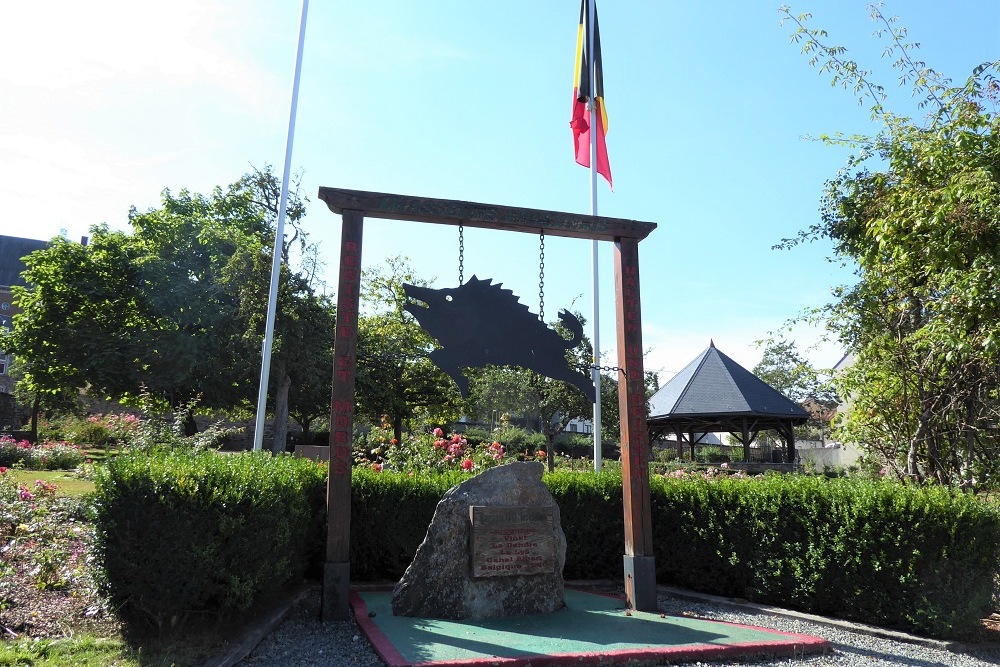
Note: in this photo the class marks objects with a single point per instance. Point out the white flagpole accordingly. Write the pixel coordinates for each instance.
(596, 373)
(272, 298)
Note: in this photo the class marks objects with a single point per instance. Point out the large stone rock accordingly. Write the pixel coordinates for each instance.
(439, 583)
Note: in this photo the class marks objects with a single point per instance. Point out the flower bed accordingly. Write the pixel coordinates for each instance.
(47, 587)
(48, 455)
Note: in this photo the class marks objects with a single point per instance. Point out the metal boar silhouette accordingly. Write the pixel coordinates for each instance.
(480, 323)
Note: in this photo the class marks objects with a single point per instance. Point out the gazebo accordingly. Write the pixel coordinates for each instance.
(713, 393)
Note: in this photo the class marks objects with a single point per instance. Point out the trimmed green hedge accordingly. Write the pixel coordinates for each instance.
(186, 536)
(923, 559)
(390, 513)
(206, 535)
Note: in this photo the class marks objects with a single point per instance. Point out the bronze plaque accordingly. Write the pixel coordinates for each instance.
(509, 541)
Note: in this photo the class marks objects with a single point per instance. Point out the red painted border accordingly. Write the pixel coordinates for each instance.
(798, 644)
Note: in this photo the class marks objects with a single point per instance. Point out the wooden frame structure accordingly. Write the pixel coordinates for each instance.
(354, 206)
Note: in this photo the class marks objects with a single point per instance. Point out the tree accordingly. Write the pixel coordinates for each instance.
(395, 378)
(790, 373)
(173, 308)
(302, 349)
(917, 211)
(610, 415)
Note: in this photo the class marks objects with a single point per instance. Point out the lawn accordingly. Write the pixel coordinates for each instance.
(68, 482)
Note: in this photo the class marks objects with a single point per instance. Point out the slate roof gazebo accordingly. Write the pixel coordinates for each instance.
(714, 393)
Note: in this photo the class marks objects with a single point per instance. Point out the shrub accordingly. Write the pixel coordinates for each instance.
(425, 452)
(189, 534)
(590, 508)
(45, 456)
(390, 512)
(102, 430)
(522, 443)
(914, 558)
(575, 445)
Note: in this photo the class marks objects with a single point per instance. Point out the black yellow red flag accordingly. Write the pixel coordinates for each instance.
(589, 90)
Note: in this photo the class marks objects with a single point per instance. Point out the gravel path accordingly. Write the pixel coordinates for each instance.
(302, 641)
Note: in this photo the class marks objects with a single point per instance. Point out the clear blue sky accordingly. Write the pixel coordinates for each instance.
(106, 103)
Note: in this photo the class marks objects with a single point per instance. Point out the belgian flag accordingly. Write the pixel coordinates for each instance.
(586, 91)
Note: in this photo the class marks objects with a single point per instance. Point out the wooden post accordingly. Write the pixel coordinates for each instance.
(746, 442)
(337, 569)
(639, 562)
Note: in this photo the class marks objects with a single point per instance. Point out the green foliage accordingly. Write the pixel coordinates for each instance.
(151, 434)
(610, 415)
(390, 512)
(174, 308)
(396, 381)
(787, 371)
(917, 211)
(917, 559)
(590, 508)
(186, 535)
(78, 651)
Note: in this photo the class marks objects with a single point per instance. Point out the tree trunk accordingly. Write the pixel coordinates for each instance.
(35, 407)
(397, 428)
(280, 439)
(550, 451)
(190, 425)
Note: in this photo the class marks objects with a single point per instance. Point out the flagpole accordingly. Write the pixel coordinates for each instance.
(272, 298)
(591, 8)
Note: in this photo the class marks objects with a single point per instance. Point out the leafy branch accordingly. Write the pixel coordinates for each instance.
(846, 72)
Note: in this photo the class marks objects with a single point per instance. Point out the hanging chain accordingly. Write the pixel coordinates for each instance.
(461, 254)
(608, 369)
(541, 276)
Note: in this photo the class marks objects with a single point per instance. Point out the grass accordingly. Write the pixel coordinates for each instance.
(78, 651)
(67, 481)
(100, 454)
(89, 651)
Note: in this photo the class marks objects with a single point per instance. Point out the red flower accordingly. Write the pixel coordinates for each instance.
(377, 467)
(438, 433)
(467, 464)
(541, 454)
(394, 441)
(2, 470)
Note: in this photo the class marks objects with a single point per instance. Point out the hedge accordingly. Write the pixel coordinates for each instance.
(922, 559)
(206, 535)
(188, 536)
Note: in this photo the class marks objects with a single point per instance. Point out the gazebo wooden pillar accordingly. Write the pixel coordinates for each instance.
(355, 205)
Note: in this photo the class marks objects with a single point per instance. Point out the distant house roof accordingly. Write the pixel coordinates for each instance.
(714, 393)
(12, 249)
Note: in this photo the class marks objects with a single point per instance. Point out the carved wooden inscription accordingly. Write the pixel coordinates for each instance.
(509, 541)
